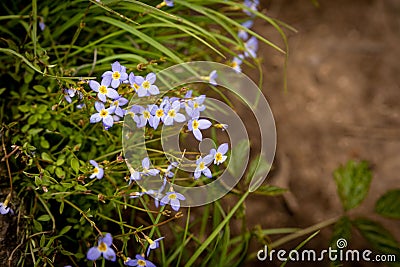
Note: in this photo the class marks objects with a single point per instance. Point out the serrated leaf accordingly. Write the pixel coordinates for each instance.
(379, 237)
(75, 165)
(44, 218)
(239, 157)
(389, 204)
(352, 183)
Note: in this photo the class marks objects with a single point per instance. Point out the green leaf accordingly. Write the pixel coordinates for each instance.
(44, 143)
(65, 230)
(44, 218)
(239, 157)
(60, 172)
(75, 165)
(352, 183)
(24, 108)
(32, 119)
(40, 89)
(38, 227)
(379, 237)
(270, 190)
(46, 157)
(389, 204)
(60, 161)
(341, 230)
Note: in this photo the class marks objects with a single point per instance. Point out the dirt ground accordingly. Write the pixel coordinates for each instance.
(342, 103)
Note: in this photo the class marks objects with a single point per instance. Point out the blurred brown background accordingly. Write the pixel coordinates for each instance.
(342, 103)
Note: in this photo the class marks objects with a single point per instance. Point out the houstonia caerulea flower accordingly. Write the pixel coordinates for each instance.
(103, 248)
(146, 85)
(219, 154)
(116, 76)
(212, 77)
(42, 26)
(118, 103)
(70, 93)
(168, 172)
(4, 209)
(134, 111)
(173, 114)
(235, 64)
(103, 115)
(158, 113)
(195, 106)
(221, 126)
(242, 33)
(172, 198)
(202, 166)
(252, 4)
(145, 117)
(132, 81)
(146, 166)
(153, 244)
(97, 171)
(102, 90)
(195, 125)
(139, 261)
(251, 47)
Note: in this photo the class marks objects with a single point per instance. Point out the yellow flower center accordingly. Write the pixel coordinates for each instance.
(146, 85)
(234, 64)
(195, 124)
(172, 196)
(103, 113)
(196, 105)
(136, 87)
(96, 170)
(171, 113)
(103, 89)
(141, 263)
(146, 114)
(218, 156)
(116, 103)
(159, 113)
(116, 75)
(202, 165)
(102, 247)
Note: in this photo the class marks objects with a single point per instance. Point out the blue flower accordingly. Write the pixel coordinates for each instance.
(202, 167)
(42, 26)
(70, 93)
(102, 90)
(103, 115)
(103, 248)
(158, 113)
(252, 4)
(212, 77)
(4, 209)
(146, 168)
(132, 81)
(172, 198)
(139, 261)
(134, 111)
(116, 76)
(173, 114)
(242, 33)
(236, 62)
(146, 85)
(97, 171)
(118, 103)
(251, 47)
(195, 125)
(145, 117)
(168, 172)
(169, 3)
(219, 154)
(153, 244)
(195, 106)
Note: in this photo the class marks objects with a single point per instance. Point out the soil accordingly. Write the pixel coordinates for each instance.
(341, 103)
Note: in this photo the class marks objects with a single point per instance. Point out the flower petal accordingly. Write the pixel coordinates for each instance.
(111, 93)
(109, 254)
(93, 254)
(94, 85)
(197, 134)
(223, 148)
(95, 118)
(151, 77)
(175, 204)
(204, 124)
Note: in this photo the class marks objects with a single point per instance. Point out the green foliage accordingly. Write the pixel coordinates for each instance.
(389, 204)
(352, 182)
